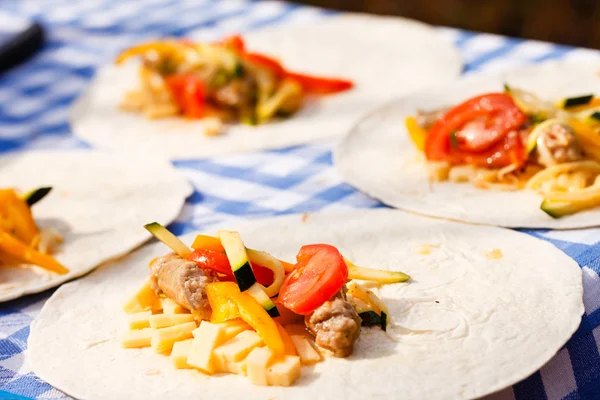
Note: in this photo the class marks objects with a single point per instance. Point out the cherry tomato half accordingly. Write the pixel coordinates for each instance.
(485, 122)
(319, 274)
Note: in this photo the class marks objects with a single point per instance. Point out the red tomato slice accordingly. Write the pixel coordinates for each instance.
(188, 93)
(213, 260)
(320, 85)
(319, 274)
(486, 120)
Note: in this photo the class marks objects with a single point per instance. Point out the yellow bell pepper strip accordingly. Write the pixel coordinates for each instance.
(208, 243)
(252, 313)
(375, 275)
(586, 135)
(288, 267)
(15, 209)
(288, 346)
(163, 48)
(416, 132)
(222, 304)
(14, 247)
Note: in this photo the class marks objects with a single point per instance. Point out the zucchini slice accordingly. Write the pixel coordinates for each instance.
(238, 258)
(36, 195)
(371, 318)
(264, 300)
(242, 270)
(375, 275)
(576, 101)
(170, 240)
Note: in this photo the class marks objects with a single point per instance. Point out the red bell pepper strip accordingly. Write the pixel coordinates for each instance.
(320, 85)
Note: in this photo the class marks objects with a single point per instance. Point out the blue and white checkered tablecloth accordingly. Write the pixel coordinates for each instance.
(35, 100)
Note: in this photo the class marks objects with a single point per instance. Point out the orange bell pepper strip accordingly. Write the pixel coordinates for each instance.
(14, 247)
(235, 43)
(18, 214)
(252, 313)
(206, 242)
(221, 303)
(288, 346)
(321, 85)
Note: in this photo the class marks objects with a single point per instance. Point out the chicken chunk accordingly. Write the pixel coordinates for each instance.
(183, 282)
(557, 144)
(335, 324)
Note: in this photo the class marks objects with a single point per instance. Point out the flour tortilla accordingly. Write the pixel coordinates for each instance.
(99, 203)
(385, 57)
(379, 158)
(465, 325)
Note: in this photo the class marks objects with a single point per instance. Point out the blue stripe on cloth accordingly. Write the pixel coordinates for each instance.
(531, 388)
(29, 383)
(14, 344)
(11, 396)
(493, 54)
(585, 359)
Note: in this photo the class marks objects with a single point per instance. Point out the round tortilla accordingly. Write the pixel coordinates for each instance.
(385, 57)
(99, 203)
(378, 157)
(464, 326)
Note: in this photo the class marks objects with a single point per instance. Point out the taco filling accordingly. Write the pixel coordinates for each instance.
(219, 82)
(21, 240)
(514, 140)
(220, 307)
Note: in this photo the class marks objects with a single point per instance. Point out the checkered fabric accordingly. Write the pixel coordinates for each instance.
(82, 35)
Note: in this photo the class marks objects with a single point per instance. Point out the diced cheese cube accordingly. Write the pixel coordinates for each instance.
(158, 321)
(139, 320)
(235, 328)
(238, 368)
(284, 372)
(256, 365)
(137, 338)
(145, 299)
(163, 339)
(180, 353)
(206, 338)
(170, 307)
(237, 348)
(307, 353)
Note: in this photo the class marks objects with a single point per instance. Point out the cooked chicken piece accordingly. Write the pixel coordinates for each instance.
(335, 324)
(557, 144)
(235, 94)
(426, 119)
(183, 282)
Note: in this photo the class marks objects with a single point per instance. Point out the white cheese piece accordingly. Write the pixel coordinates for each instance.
(170, 307)
(307, 353)
(180, 353)
(158, 321)
(137, 338)
(139, 320)
(256, 365)
(206, 338)
(284, 372)
(238, 368)
(163, 339)
(236, 349)
(145, 299)
(235, 328)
